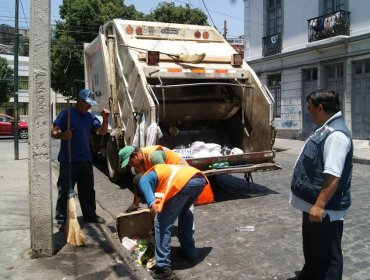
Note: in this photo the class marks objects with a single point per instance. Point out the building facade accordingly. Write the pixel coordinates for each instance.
(57, 101)
(296, 47)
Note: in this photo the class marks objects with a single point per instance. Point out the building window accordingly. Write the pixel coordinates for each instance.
(23, 83)
(331, 6)
(274, 17)
(362, 67)
(274, 85)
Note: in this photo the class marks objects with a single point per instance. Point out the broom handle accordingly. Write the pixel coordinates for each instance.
(69, 148)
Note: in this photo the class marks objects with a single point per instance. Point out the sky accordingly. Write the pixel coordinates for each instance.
(218, 11)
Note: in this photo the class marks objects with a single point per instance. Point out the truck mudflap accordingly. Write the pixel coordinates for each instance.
(240, 163)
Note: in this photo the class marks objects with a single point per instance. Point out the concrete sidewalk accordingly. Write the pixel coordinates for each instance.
(101, 258)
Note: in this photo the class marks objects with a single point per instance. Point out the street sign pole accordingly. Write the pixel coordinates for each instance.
(16, 107)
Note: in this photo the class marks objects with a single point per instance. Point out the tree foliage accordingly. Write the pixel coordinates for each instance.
(168, 12)
(6, 81)
(80, 24)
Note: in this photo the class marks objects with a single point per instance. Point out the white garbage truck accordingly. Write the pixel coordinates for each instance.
(183, 87)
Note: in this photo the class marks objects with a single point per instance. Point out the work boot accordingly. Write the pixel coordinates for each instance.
(163, 273)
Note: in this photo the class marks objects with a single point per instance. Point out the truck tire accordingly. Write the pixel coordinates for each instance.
(113, 161)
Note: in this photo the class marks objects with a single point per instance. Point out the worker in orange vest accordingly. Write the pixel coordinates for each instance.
(169, 191)
(142, 159)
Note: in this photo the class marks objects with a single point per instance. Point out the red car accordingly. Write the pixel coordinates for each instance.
(7, 127)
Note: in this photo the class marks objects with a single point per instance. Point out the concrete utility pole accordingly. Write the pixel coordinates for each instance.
(39, 149)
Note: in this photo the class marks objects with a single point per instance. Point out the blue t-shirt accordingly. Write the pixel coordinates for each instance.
(82, 124)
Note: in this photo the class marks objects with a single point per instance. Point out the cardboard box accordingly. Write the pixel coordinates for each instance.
(136, 224)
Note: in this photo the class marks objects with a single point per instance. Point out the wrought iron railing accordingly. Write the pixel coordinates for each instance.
(272, 44)
(329, 25)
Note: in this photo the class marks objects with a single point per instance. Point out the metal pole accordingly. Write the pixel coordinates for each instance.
(16, 110)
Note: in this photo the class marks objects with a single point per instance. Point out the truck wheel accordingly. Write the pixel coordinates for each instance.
(113, 161)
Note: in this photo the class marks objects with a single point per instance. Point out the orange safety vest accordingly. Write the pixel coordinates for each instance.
(171, 156)
(172, 178)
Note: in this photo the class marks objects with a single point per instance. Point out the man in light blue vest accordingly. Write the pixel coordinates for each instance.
(321, 186)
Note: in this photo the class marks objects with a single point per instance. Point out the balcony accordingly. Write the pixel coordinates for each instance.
(272, 44)
(329, 25)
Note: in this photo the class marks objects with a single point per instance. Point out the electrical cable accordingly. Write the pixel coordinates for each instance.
(24, 14)
(210, 17)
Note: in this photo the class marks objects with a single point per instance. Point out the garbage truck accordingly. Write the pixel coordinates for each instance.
(181, 86)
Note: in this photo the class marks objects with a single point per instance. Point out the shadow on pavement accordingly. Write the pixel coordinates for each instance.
(228, 187)
(179, 263)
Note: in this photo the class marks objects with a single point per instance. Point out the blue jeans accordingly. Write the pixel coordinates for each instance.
(177, 208)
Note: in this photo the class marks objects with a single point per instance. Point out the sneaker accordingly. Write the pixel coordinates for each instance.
(163, 273)
(94, 219)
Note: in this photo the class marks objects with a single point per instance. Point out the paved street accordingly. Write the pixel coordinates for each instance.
(273, 250)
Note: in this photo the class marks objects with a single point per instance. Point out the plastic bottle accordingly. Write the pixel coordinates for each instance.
(245, 228)
(218, 165)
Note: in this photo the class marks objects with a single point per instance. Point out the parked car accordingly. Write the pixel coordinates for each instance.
(7, 127)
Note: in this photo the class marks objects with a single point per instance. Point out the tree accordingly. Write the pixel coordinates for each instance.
(81, 22)
(168, 12)
(6, 81)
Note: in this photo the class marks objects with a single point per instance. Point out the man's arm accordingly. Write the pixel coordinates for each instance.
(104, 127)
(327, 191)
(56, 133)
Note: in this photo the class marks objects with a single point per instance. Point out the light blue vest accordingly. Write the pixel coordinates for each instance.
(308, 176)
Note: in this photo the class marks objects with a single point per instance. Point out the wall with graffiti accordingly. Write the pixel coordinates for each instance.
(291, 114)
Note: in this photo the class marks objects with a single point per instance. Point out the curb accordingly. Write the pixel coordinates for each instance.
(361, 160)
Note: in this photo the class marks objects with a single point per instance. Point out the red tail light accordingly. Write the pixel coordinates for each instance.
(197, 34)
(205, 35)
(139, 31)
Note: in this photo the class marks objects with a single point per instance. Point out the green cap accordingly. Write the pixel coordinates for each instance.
(125, 154)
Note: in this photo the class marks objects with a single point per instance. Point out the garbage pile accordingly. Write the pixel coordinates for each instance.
(199, 149)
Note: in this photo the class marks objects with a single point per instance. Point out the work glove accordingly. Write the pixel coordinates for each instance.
(132, 208)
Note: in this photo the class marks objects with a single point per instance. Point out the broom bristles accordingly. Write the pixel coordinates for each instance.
(74, 234)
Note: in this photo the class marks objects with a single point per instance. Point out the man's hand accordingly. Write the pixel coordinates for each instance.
(105, 114)
(104, 127)
(316, 214)
(154, 209)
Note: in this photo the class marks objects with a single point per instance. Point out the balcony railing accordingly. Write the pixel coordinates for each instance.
(329, 25)
(272, 44)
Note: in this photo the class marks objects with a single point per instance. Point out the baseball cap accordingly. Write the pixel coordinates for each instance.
(125, 154)
(88, 96)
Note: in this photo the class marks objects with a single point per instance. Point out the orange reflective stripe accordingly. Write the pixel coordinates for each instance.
(221, 71)
(174, 70)
(199, 71)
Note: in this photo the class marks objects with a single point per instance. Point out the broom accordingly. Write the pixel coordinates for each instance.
(74, 234)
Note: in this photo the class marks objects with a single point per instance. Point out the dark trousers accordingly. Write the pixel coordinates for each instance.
(82, 174)
(322, 249)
